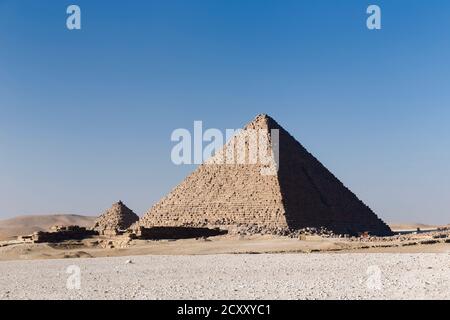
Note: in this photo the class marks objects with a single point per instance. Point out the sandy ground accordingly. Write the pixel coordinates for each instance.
(243, 276)
(229, 267)
(90, 248)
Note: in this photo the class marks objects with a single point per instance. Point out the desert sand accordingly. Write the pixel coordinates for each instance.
(262, 276)
(256, 244)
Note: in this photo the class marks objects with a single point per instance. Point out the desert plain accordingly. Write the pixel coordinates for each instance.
(411, 266)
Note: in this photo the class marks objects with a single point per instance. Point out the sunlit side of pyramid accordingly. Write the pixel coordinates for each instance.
(301, 193)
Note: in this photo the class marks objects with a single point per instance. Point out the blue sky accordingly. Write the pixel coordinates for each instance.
(86, 116)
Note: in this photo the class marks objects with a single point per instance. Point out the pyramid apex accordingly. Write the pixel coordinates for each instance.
(262, 120)
(262, 116)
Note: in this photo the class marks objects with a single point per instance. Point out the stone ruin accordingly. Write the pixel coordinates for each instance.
(116, 220)
(302, 193)
(58, 234)
(159, 233)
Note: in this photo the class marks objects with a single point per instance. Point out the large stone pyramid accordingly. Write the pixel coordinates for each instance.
(118, 217)
(301, 193)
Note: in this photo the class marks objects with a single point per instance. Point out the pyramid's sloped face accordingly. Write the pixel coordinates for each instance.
(301, 192)
(221, 195)
(229, 189)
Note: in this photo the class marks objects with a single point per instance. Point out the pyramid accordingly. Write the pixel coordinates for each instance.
(118, 217)
(299, 193)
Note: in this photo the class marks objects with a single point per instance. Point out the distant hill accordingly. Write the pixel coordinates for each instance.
(411, 226)
(11, 228)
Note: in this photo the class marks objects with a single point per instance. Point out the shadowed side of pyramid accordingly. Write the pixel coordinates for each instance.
(314, 197)
(302, 193)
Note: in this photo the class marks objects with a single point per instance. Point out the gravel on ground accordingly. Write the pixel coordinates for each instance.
(237, 276)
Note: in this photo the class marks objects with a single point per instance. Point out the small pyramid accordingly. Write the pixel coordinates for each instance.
(300, 193)
(118, 217)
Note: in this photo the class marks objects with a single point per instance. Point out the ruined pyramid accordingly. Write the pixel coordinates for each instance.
(291, 191)
(118, 217)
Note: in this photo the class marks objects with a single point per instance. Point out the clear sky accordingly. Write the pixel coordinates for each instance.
(86, 115)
